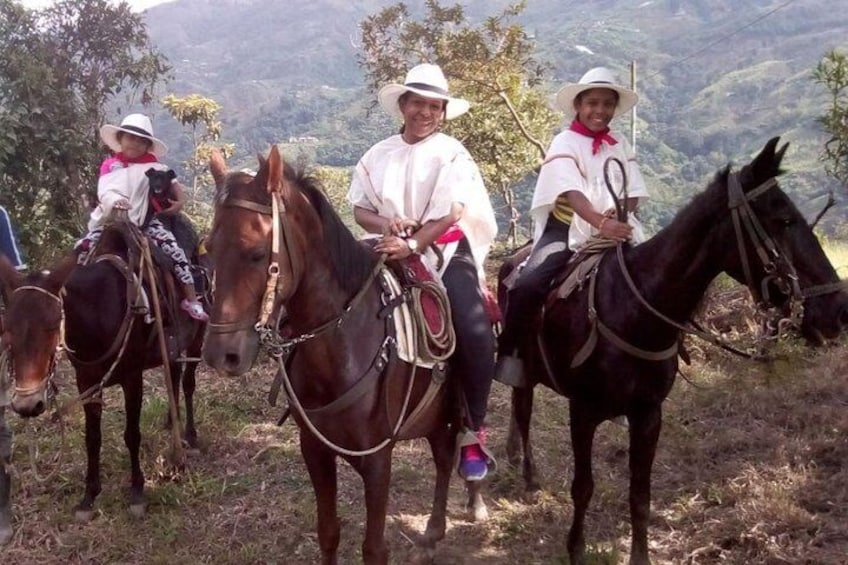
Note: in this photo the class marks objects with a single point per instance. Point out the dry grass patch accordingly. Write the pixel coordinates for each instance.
(751, 468)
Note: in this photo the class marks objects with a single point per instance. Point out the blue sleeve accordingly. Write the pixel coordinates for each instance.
(8, 241)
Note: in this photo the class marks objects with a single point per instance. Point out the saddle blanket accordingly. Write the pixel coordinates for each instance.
(405, 325)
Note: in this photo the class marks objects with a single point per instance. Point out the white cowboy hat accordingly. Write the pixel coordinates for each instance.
(136, 124)
(428, 81)
(599, 77)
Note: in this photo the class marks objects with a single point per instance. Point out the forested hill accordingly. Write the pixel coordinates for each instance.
(717, 78)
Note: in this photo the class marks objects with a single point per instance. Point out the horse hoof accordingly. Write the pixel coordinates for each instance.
(532, 496)
(5, 534)
(423, 555)
(138, 510)
(83, 516)
(478, 513)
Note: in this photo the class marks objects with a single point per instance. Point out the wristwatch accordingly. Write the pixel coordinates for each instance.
(413, 244)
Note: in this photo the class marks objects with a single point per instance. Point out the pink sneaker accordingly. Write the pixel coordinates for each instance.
(473, 462)
(194, 309)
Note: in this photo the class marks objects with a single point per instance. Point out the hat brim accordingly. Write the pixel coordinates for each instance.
(388, 97)
(109, 136)
(566, 95)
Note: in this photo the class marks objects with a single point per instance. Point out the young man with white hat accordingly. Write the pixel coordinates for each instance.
(419, 188)
(571, 203)
(124, 184)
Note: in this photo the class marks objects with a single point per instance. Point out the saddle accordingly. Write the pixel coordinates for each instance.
(121, 238)
(423, 322)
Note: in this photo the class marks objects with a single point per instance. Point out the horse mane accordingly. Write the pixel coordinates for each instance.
(352, 261)
(714, 197)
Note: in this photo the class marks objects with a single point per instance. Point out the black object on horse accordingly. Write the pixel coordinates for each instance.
(276, 232)
(742, 224)
(108, 343)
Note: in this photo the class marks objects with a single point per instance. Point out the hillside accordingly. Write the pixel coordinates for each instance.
(717, 78)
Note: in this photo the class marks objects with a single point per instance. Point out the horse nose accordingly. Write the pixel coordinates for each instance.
(843, 317)
(28, 406)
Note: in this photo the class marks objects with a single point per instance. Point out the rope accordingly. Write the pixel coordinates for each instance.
(438, 345)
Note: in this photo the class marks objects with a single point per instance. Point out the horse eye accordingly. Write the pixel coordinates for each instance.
(258, 255)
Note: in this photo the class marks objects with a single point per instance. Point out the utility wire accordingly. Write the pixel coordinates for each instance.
(753, 22)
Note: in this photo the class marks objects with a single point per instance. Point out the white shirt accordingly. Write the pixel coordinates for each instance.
(570, 165)
(421, 181)
(129, 183)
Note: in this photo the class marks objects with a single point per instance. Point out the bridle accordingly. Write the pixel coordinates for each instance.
(47, 385)
(778, 268)
(280, 286)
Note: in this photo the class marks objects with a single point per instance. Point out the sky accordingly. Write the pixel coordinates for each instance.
(136, 5)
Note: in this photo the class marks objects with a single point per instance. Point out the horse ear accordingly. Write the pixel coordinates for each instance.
(60, 273)
(767, 163)
(218, 168)
(10, 278)
(275, 170)
(778, 156)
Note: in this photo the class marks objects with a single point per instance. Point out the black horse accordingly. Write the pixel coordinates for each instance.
(109, 342)
(742, 224)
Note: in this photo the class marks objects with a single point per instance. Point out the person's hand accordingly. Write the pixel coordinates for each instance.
(174, 207)
(611, 228)
(400, 227)
(122, 204)
(393, 246)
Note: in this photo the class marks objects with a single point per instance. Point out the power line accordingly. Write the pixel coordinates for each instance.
(723, 38)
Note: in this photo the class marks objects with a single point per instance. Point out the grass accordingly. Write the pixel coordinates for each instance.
(751, 468)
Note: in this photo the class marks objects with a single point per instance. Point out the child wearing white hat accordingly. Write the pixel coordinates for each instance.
(124, 184)
(571, 203)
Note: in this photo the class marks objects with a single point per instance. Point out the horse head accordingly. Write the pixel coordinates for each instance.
(257, 259)
(776, 252)
(33, 328)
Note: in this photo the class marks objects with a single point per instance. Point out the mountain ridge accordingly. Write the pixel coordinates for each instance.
(716, 78)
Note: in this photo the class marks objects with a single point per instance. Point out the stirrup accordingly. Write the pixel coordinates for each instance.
(509, 370)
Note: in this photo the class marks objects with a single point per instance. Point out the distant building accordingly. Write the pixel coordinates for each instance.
(305, 139)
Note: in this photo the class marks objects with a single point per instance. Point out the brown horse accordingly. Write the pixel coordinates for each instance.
(93, 308)
(742, 224)
(348, 387)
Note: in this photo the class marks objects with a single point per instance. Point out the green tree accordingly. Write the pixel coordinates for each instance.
(832, 72)
(490, 64)
(59, 68)
(200, 115)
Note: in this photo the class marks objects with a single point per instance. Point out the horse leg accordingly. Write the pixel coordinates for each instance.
(189, 385)
(321, 465)
(84, 511)
(522, 412)
(583, 426)
(376, 472)
(645, 428)
(132, 386)
(187, 372)
(442, 444)
(5, 481)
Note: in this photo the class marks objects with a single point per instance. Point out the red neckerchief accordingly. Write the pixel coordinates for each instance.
(598, 137)
(146, 158)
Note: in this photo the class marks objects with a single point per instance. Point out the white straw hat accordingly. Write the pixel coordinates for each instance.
(599, 77)
(136, 124)
(428, 81)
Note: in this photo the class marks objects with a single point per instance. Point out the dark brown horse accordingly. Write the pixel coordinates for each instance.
(345, 374)
(742, 224)
(94, 308)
